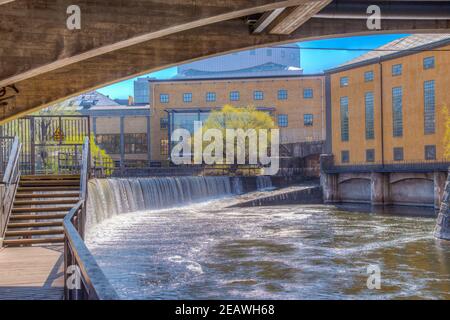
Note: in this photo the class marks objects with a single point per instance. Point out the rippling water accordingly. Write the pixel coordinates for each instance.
(205, 251)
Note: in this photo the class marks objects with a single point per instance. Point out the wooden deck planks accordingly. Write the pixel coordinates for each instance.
(31, 273)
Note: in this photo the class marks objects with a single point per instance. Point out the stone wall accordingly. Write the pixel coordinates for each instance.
(442, 229)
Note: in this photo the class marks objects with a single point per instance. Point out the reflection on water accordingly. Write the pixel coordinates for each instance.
(205, 251)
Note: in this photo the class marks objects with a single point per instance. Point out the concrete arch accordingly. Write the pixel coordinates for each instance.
(413, 191)
(357, 189)
(398, 178)
(221, 30)
(349, 177)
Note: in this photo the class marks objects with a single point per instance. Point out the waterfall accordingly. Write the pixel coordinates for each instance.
(264, 183)
(109, 197)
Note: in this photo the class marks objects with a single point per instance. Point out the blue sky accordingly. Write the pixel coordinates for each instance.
(313, 60)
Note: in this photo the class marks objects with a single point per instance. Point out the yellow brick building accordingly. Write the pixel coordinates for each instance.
(389, 109)
(297, 104)
(386, 124)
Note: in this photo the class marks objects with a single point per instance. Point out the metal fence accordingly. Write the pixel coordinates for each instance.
(397, 166)
(50, 144)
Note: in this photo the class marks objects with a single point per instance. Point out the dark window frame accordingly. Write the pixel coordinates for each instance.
(345, 156)
(429, 106)
(187, 97)
(370, 155)
(164, 98)
(308, 93)
(397, 69)
(427, 65)
(430, 152)
(235, 95)
(210, 96)
(258, 95)
(397, 112)
(368, 76)
(398, 154)
(369, 115)
(345, 121)
(308, 119)
(282, 94)
(344, 81)
(283, 120)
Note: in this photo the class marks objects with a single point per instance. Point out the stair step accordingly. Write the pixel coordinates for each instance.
(43, 188)
(41, 209)
(44, 202)
(18, 242)
(51, 177)
(37, 216)
(24, 233)
(48, 195)
(35, 224)
(45, 183)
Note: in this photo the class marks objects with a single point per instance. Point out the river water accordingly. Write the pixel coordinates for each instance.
(206, 251)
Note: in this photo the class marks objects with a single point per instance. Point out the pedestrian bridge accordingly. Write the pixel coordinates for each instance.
(46, 58)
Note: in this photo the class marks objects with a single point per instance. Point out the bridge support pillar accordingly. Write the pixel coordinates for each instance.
(379, 188)
(329, 183)
(439, 188)
(442, 230)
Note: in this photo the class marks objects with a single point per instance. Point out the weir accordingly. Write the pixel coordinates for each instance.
(109, 197)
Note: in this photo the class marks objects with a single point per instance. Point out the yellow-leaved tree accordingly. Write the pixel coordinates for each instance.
(447, 132)
(231, 117)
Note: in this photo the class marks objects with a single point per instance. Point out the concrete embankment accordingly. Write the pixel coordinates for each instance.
(297, 194)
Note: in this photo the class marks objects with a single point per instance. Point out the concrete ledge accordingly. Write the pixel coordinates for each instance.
(289, 195)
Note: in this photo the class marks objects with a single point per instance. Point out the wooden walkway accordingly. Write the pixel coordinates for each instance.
(32, 273)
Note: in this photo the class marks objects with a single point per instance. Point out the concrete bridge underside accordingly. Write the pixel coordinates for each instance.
(43, 62)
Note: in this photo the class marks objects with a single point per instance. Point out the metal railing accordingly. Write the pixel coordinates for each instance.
(83, 278)
(8, 185)
(103, 170)
(396, 166)
(50, 144)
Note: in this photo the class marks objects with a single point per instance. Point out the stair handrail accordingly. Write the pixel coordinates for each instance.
(10, 182)
(83, 278)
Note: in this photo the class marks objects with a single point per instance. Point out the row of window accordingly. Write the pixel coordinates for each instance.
(308, 93)
(397, 112)
(396, 70)
(429, 154)
(282, 119)
(308, 120)
(133, 143)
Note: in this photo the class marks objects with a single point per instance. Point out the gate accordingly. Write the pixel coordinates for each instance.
(50, 144)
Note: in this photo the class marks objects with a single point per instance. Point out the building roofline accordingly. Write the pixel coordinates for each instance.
(293, 76)
(390, 56)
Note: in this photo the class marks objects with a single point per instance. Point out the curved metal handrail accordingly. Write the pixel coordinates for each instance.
(83, 278)
(92, 282)
(10, 181)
